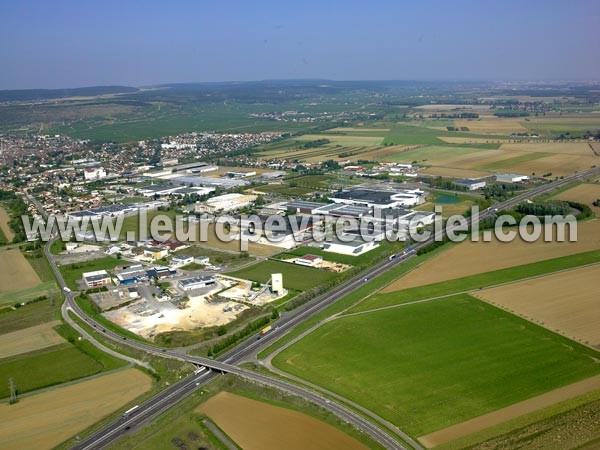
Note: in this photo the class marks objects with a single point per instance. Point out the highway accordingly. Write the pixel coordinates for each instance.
(250, 348)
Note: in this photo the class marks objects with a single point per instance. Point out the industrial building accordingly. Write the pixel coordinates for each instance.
(379, 198)
(131, 274)
(471, 184)
(189, 284)
(355, 247)
(285, 231)
(511, 178)
(222, 182)
(308, 260)
(226, 203)
(96, 278)
(181, 260)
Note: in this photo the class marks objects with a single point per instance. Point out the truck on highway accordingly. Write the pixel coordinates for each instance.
(130, 411)
(264, 330)
(66, 289)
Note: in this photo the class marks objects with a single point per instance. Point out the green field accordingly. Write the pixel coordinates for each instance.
(47, 288)
(72, 272)
(132, 223)
(46, 368)
(294, 276)
(474, 282)
(29, 316)
(54, 365)
(429, 365)
(432, 153)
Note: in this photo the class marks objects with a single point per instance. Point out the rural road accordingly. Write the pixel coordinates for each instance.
(248, 349)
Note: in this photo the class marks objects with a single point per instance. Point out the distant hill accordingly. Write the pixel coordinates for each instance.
(48, 94)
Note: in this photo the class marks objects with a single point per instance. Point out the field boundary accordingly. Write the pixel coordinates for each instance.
(510, 412)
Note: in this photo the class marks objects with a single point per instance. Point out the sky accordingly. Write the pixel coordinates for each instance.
(60, 44)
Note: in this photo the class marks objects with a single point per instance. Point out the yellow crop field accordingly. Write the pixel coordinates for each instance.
(29, 339)
(255, 425)
(493, 125)
(558, 165)
(566, 302)
(44, 420)
(495, 255)
(15, 272)
(586, 193)
(563, 148)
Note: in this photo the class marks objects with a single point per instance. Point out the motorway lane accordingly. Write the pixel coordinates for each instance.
(285, 324)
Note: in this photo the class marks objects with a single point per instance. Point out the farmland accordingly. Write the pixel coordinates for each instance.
(479, 281)
(295, 277)
(256, 425)
(565, 302)
(28, 316)
(56, 364)
(13, 267)
(430, 365)
(567, 424)
(60, 413)
(29, 339)
(586, 193)
(45, 368)
(4, 228)
(516, 410)
(496, 255)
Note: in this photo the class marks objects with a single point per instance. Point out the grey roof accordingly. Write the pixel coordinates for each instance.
(468, 181)
(209, 181)
(303, 204)
(197, 280)
(156, 187)
(365, 195)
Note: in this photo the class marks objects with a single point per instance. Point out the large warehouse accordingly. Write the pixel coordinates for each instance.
(189, 284)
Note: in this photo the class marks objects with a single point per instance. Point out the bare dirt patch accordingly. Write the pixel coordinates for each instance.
(29, 339)
(471, 258)
(16, 273)
(44, 420)
(566, 302)
(510, 412)
(257, 425)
